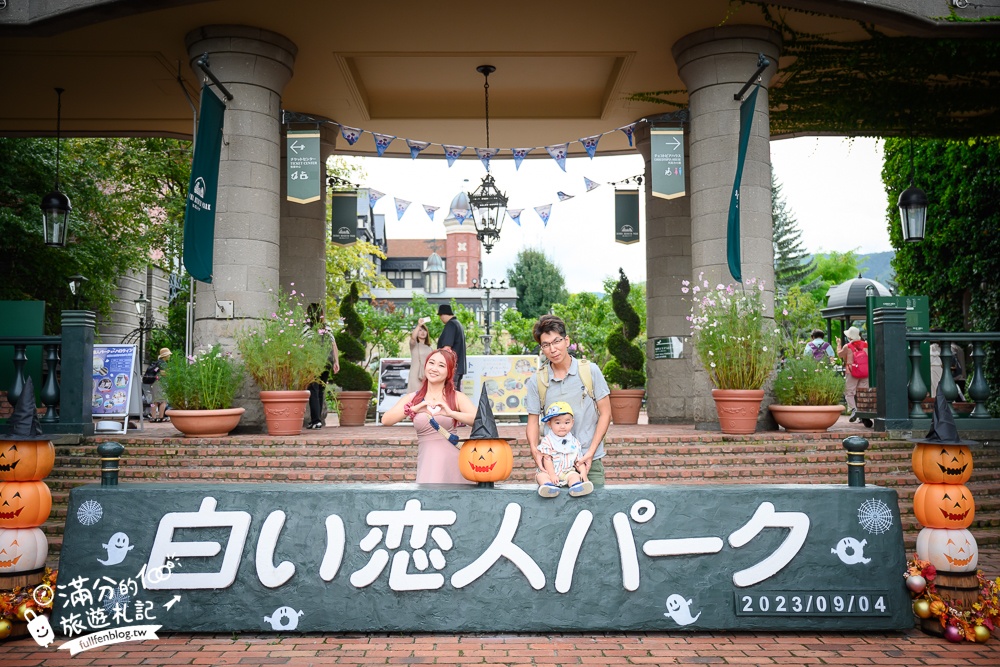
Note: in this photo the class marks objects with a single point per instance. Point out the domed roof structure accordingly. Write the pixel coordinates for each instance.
(847, 299)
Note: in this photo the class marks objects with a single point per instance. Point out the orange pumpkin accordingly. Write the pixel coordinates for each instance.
(22, 549)
(944, 506)
(24, 460)
(948, 550)
(485, 460)
(942, 464)
(24, 504)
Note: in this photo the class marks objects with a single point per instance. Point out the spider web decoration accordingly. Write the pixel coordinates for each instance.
(875, 516)
(116, 599)
(89, 513)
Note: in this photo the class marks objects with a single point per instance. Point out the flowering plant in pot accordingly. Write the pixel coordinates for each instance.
(808, 393)
(737, 345)
(284, 353)
(200, 390)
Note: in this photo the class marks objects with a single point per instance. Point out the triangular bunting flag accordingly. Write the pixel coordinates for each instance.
(515, 215)
(350, 134)
(591, 185)
(558, 153)
(401, 206)
(520, 154)
(374, 196)
(452, 152)
(382, 142)
(429, 210)
(563, 196)
(590, 143)
(628, 130)
(416, 147)
(459, 214)
(544, 212)
(485, 154)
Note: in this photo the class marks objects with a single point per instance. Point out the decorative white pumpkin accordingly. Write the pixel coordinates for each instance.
(22, 549)
(949, 550)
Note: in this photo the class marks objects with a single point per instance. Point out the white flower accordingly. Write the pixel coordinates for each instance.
(765, 348)
(685, 290)
(713, 364)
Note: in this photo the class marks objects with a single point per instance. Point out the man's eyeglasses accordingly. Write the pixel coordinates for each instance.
(550, 345)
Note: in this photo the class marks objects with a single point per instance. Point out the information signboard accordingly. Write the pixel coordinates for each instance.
(303, 166)
(116, 392)
(667, 161)
(504, 377)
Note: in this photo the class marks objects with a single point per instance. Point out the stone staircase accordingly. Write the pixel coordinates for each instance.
(389, 455)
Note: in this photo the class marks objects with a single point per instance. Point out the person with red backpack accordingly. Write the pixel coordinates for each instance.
(855, 357)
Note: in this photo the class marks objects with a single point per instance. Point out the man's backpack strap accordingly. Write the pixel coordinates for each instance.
(586, 376)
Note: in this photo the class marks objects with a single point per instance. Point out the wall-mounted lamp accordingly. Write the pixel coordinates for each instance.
(76, 287)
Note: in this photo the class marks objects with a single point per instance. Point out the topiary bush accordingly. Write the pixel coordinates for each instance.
(350, 343)
(626, 369)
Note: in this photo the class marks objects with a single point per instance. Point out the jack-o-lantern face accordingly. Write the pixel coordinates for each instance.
(485, 460)
(944, 506)
(948, 550)
(22, 549)
(24, 504)
(24, 460)
(942, 464)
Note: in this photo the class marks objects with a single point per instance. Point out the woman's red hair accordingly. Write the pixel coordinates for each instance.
(449, 384)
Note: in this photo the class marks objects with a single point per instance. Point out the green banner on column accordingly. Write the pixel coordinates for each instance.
(199, 217)
(733, 230)
(304, 174)
(344, 217)
(667, 162)
(626, 216)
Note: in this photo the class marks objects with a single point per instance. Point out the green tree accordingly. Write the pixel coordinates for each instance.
(796, 313)
(519, 331)
(626, 369)
(351, 344)
(539, 283)
(831, 269)
(128, 201)
(957, 265)
(791, 260)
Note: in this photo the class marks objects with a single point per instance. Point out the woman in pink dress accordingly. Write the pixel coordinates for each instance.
(436, 408)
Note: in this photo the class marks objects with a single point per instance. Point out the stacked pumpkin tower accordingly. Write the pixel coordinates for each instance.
(26, 458)
(945, 507)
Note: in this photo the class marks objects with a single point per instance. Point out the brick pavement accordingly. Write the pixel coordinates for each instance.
(908, 648)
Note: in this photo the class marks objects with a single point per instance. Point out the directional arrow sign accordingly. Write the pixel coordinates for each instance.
(667, 153)
(303, 168)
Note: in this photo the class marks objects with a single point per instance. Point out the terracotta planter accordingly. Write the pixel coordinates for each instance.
(806, 418)
(284, 411)
(625, 405)
(205, 423)
(354, 407)
(738, 409)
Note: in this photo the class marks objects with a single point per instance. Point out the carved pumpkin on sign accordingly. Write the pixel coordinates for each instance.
(24, 504)
(22, 549)
(948, 550)
(944, 506)
(24, 460)
(938, 463)
(485, 460)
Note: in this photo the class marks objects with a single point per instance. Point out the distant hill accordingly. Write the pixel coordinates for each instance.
(877, 266)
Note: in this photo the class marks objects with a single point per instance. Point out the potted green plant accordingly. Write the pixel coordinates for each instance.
(625, 371)
(355, 383)
(736, 344)
(284, 353)
(808, 393)
(200, 391)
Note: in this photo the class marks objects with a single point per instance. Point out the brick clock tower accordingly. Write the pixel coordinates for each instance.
(462, 252)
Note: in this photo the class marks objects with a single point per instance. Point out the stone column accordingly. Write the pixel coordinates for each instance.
(714, 64)
(254, 65)
(668, 261)
(303, 239)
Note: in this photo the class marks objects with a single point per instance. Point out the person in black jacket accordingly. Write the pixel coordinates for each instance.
(453, 338)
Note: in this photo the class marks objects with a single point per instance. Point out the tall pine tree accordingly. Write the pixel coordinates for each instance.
(790, 265)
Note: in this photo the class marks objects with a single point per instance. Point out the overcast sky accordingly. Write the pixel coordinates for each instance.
(832, 186)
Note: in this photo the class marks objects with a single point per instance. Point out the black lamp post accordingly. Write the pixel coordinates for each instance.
(141, 305)
(55, 205)
(76, 288)
(487, 287)
(913, 208)
(489, 205)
